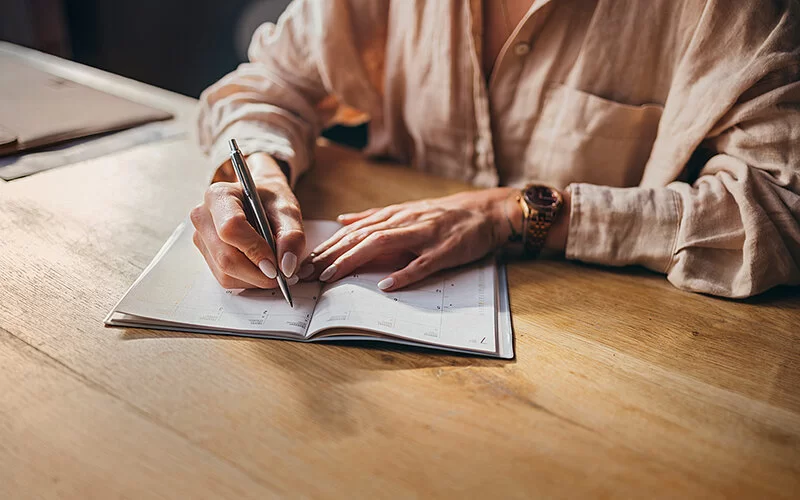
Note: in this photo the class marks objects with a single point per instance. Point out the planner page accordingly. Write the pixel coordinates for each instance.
(178, 288)
(455, 308)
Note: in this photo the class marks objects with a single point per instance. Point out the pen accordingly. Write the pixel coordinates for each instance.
(253, 202)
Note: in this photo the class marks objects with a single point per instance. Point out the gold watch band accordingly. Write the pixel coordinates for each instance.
(540, 205)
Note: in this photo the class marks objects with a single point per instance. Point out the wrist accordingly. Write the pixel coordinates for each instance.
(506, 215)
(265, 168)
(509, 220)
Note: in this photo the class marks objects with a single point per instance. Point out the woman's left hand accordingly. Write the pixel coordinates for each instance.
(437, 233)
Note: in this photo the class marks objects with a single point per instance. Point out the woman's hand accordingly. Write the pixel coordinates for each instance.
(237, 255)
(438, 234)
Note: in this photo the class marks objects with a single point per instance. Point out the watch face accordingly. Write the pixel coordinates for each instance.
(542, 196)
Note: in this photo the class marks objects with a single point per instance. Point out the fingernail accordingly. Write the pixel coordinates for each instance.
(306, 271)
(386, 283)
(292, 281)
(268, 268)
(340, 217)
(288, 263)
(328, 273)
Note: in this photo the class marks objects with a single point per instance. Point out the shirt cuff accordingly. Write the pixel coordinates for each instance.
(623, 226)
(255, 137)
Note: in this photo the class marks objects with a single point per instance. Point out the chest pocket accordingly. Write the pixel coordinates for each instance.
(581, 137)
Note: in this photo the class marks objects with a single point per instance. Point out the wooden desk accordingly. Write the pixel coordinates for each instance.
(622, 386)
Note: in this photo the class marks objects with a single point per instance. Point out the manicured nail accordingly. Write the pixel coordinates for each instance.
(328, 273)
(288, 263)
(386, 283)
(268, 268)
(292, 281)
(306, 271)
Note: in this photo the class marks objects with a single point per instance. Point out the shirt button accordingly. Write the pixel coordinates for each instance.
(482, 146)
(522, 48)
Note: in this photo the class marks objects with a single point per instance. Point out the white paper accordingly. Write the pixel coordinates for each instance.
(179, 288)
(454, 309)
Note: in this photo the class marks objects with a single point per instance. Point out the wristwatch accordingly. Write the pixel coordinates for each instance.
(540, 206)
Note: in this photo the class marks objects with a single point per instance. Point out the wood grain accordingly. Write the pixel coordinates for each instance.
(65, 437)
(623, 386)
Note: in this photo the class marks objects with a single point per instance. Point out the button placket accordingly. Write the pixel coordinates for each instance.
(482, 145)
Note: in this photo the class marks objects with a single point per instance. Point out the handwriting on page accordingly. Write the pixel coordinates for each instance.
(181, 289)
(454, 309)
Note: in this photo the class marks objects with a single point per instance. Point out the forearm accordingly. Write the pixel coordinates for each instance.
(279, 102)
(267, 109)
(716, 236)
(262, 167)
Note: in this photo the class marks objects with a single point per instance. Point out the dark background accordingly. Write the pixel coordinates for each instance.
(180, 45)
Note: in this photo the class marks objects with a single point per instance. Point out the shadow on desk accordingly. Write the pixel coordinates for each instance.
(361, 354)
(336, 381)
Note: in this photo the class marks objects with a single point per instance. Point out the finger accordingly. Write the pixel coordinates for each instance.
(379, 216)
(374, 246)
(419, 268)
(286, 220)
(224, 280)
(355, 216)
(396, 260)
(306, 271)
(348, 241)
(224, 202)
(227, 259)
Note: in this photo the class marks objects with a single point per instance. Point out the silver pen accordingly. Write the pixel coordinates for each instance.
(259, 216)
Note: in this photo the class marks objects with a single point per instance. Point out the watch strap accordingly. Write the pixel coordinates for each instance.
(538, 221)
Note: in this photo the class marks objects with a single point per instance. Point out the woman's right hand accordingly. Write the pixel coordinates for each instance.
(237, 255)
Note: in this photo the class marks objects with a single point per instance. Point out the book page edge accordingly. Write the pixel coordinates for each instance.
(176, 233)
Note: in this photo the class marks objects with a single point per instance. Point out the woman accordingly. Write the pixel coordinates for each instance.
(668, 131)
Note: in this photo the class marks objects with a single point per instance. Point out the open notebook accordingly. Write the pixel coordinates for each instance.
(463, 310)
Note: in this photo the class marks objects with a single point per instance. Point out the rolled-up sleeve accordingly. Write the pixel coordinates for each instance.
(280, 100)
(734, 231)
(718, 208)
(623, 226)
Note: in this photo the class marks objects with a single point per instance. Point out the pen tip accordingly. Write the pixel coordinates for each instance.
(233, 145)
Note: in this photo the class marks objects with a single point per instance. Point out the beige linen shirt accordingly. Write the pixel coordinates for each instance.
(675, 123)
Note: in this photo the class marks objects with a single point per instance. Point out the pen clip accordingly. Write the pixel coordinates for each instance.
(237, 160)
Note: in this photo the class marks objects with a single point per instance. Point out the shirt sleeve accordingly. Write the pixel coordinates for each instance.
(734, 230)
(304, 73)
